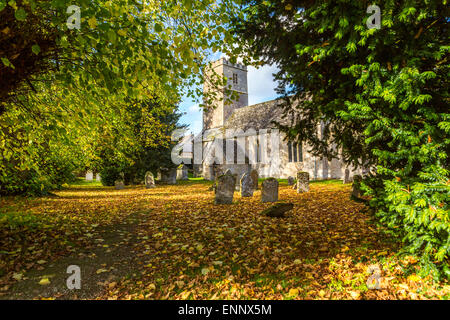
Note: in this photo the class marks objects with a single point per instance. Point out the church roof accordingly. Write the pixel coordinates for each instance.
(257, 116)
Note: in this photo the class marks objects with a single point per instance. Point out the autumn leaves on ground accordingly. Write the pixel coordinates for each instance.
(172, 242)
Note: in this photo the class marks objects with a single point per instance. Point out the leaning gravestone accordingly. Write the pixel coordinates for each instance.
(278, 210)
(119, 184)
(347, 176)
(254, 175)
(302, 181)
(89, 176)
(269, 190)
(246, 185)
(225, 189)
(290, 180)
(356, 187)
(182, 172)
(149, 180)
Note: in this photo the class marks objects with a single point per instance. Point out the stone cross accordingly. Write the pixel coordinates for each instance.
(254, 175)
(302, 181)
(225, 188)
(246, 185)
(149, 180)
(269, 190)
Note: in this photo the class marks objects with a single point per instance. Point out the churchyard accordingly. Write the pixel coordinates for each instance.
(176, 242)
(224, 149)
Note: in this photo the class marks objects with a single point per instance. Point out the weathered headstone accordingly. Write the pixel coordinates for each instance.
(346, 176)
(302, 181)
(149, 180)
(168, 176)
(246, 185)
(225, 188)
(255, 176)
(269, 190)
(89, 175)
(290, 180)
(356, 186)
(278, 210)
(182, 172)
(119, 184)
(97, 177)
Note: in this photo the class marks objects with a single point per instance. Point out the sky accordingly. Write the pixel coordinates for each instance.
(261, 87)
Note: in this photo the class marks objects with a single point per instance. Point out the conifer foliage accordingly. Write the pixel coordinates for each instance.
(382, 94)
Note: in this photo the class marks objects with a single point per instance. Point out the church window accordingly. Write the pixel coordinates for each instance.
(300, 152)
(235, 78)
(290, 151)
(295, 152)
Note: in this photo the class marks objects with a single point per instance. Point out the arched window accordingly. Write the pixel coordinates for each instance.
(295, 152)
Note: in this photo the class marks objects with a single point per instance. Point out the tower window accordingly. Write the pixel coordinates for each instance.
(235, 78)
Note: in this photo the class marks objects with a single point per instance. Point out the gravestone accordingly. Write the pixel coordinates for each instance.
(149, 180)
(356, 187)
(246, 185)
(225, 189)
(346, 176)
(269, 190)
(97, 177)
(182, 172)
(291, 180)
(119, 184)
(89, 175)
(255, 176)
(302, 181)
(168, 176)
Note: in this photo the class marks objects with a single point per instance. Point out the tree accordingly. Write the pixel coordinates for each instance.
(381, 93)
(148, 127)
(63, 90)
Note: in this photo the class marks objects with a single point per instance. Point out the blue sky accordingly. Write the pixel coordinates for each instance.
(261, 87)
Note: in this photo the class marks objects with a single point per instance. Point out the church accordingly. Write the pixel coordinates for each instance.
(255, 123)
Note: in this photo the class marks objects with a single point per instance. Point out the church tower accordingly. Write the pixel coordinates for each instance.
(236, 75)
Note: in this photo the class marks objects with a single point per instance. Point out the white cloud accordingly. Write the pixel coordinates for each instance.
(261, 84)
(196, 126)
(194, 108)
